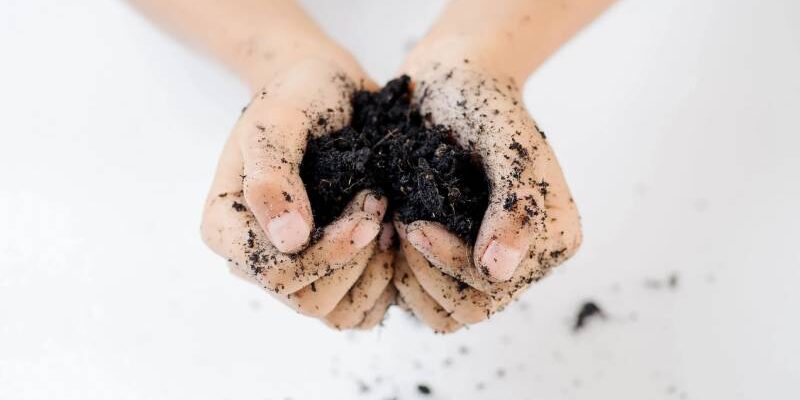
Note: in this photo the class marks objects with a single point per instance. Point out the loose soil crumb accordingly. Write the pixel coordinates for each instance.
(392, 149)
(424, 389)
(239, 207)
(588, 310)
(363, 387)
(670, 282)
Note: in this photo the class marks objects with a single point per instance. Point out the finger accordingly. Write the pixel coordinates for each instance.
(453, 257)
(224, 196)
(286, 274)
(274, 130)
(234, 233)
(376, 314)
(446, 251)
(557, 237)
(239, 273)
(353, 307)
(400, 303)
(563, 223)
(371, 203)
(273, 139)
(321, 296)
(231, 230)
(515, 216)
(421, 304)
(359, 225)
(464, 304)
(386, 237)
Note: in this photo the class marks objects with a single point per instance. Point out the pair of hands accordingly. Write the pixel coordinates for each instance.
(258, 217)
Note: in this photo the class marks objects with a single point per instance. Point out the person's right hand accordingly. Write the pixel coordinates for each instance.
(258, 216)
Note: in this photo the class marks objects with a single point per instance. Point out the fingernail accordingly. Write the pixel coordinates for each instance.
(364, 232)
(373, 205)
(288, 231)
(386, 238)
(419, 240)
(500, 260)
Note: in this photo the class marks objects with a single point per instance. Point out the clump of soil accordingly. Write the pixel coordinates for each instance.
(391, 148)
(424, 389)
(588, 310)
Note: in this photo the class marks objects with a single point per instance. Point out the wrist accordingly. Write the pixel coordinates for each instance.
(481, 52)
(261, 69)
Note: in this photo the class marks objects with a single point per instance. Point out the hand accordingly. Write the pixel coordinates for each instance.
(531, 224)
(257, 213)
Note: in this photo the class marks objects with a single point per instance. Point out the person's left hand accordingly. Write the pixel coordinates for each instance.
(531, 224)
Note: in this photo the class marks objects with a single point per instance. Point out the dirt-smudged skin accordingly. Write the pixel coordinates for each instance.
(445, 127)
(256, 177)
(453, 138)
(258, 215)
(486, 112)
(391, 148)
(427, 150)
(529, 200)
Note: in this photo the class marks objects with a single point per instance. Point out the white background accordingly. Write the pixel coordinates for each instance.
(676, 123)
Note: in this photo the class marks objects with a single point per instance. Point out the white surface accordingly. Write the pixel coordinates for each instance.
(676, 123)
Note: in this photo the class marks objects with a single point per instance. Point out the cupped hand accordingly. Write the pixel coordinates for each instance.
(531, 224)
(257, 213)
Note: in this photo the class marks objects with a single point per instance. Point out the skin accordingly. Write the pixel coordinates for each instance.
(412, 296)
(372, 285)
(468, 73)
(257, 214)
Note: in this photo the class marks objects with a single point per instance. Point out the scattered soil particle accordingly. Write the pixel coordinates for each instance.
(652, 284)
(363, 387)
(557, 253)
(424, 389)
(391, 149)
(239, 207)
(588, 310)
(251, 239)
(516, 146)
(511, 202)
(672, 282)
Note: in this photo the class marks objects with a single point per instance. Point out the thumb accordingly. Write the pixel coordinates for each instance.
(515, 215)
(272, 144)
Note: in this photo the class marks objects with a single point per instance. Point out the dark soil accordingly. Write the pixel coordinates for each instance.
(391, 148)
(424, 389)
(588, 310)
